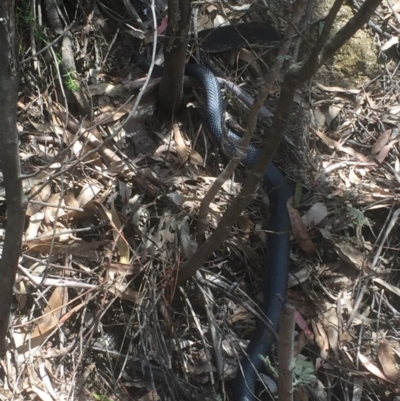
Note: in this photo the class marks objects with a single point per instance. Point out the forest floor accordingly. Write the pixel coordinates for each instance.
(115, 186)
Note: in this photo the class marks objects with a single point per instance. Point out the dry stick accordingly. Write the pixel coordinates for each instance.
(208, 302)
(276, 68)
(294, 76)
(10, 162)
(133, 14)
(285, 354)
(215, 187)
(388, 230)
(60, 36)
(257, 105)
(54, 15)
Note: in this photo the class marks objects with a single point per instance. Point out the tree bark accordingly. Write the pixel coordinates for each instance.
(175, 47)
(9, 162)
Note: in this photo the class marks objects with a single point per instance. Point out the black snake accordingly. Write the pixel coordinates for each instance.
(277, 249)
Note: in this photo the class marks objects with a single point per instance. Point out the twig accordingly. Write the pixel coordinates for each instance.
(388, 230)
(52, 282)
(285, 354)
(208, 300)
(357, 303)
(60, 36)
(133, 13)
(247, 99)
(273, 74)
(54, 15)
(201, 334)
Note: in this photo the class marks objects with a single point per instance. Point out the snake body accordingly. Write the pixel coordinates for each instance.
(277, 249)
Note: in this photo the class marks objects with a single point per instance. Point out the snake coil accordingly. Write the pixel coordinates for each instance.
(278, 246)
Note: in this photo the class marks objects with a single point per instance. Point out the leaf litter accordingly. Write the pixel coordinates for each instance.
(110, 221)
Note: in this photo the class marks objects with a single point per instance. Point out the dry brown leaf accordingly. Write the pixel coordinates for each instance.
(336, 145)
(331, 113)
(122, 290)
(350, 255)
(240, 314)
(331, 324)
(189, 245)
(300, 276)
(113, 218)
(52, 212)
(395, 8)
(56, 229)
(91, 136)
(91, 250)
(195, 158)
(181, 147)
(42, 128)
(301, 394)
(29, 183)
(123, 268)
(122, 244)
(43, 395)
(385, 151)
(88, 192)
(326, 234)
(77, 148)
(51, 313)
(35, 222)
(151, 396)
(249, 252)
(21, 294)
(390, 287)
(381, 142)
(372, 368)
(321, 339)
(71, 312)
(71, 201)
(303, 325)
(243, 222)
(104, 88)
(42, 196)
(46, 374)
(299, 229)
(387, 361)
(338, 89)
(114, 115)
(319, 118)
(248, 57)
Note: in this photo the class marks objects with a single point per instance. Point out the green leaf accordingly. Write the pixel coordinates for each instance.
(297, 193)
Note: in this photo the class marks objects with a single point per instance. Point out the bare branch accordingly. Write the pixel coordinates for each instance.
(285, 354)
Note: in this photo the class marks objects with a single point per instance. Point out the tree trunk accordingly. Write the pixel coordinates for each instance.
(9, 162)
(171, 85)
